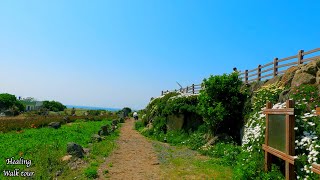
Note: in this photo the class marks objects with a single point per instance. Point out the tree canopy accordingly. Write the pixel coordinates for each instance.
(10, 102)
(54, 106)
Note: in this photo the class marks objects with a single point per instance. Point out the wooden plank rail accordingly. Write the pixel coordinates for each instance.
(261, 71)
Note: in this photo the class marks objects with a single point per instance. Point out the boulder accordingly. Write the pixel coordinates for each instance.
(287, 77)
(75, 150)
(302, 78)
(115, 122)
(317, 62)
(273, 80)
(121, 120)
(104, 130)
(255, 85)
(113, 128)
(150, 126)
(66, 119)
(66, 158)
(54, 125)
(96, 138)
(284, 95)
(318, 77)
(175, 122)
(310, 68)
(86, 150)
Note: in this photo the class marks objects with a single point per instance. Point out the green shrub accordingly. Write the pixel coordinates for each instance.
(54, 106)
(306, 93)
(95, 112)
(228, 152)
(196, 140)
(181, 104)
(221, 104)
(91, 172)
(138, 125)
(269, 93)
(176, 137)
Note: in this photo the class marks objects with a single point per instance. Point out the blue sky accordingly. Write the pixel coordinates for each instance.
(117, 53)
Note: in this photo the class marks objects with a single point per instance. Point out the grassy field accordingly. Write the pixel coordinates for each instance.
(27, 120)
(46, 146)
(179, 162)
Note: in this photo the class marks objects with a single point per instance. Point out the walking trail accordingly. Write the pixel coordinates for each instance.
(135, 157)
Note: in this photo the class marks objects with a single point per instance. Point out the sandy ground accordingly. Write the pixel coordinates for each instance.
(135, 157)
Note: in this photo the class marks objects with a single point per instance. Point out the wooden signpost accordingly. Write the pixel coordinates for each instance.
(316, 167)
(279, 136)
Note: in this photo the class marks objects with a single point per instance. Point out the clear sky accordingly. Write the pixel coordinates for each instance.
(116, 53)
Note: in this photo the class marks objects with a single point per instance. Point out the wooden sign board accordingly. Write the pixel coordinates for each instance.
(279, 137)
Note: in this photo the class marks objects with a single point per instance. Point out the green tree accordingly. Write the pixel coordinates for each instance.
(126, 111)
(54, 106)
(9, 102)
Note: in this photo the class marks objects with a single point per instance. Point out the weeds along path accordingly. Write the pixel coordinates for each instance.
(135, 157)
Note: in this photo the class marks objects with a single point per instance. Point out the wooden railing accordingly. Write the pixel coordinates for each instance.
(193, 89)
(263, 72)
(277, 67)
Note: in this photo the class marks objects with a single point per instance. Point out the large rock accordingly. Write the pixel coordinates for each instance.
(54, 125)
(113, 127)
(75, 150)
(284, 95)
(115, 122)
(310, 68)
(175, 122)
(302, 78)
(287, 77)
(66, 158)
(318, 77)
(66, 119)
(96, 138)
(104, 130)
(273, 80)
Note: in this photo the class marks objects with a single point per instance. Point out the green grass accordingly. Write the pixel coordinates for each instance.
(45, 147)
(178, 162)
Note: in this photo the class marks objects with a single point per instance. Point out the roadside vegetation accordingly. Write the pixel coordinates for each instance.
(46, 147)
(228, 125)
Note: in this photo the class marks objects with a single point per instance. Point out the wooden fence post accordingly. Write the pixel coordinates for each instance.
(275, 68)
(246, 77)
(290, 138)
(187, 89)
(192, 88)
(259, 73)
(300, 57)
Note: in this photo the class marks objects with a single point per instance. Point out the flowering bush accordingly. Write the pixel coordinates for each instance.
(266, 93)
(250, 162)
(307, 131)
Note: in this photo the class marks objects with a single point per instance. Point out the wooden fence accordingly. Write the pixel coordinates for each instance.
(278, 66)
(263, 72)
(193, 89)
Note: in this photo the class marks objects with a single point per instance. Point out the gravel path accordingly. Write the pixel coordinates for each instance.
(135, 157)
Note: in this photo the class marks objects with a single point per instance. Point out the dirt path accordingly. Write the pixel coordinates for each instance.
(135, 157)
